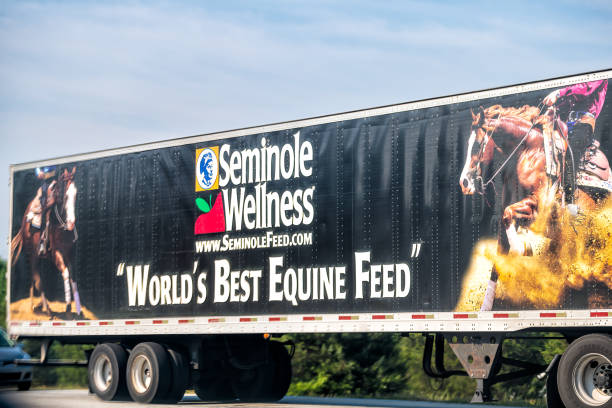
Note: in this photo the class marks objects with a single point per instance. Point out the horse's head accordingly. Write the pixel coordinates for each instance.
(480, 151)
(67, 192)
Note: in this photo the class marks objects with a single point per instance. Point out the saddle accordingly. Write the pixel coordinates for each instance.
(593, 168)
(34, 216)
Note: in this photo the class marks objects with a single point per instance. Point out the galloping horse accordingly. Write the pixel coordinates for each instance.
(533, 148)
(61, 217)
(518, 133)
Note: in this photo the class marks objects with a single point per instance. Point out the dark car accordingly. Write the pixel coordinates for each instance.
(11, 374)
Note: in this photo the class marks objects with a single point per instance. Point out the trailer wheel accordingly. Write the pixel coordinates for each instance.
(106, 371)
(180, 376)
(282, 374)
(553, 399)
(266, 382)
(213, 389)
(147, 373)
(255, 384)
(585, 372)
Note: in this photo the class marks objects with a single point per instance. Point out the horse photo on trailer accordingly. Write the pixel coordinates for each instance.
(46, 240)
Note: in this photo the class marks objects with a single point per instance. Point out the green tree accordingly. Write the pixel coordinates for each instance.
(59, 377)
(388, 365)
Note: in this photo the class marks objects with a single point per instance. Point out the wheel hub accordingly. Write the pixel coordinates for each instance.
(591, 378)
(602, 378)
(141, 373)
(103, 373)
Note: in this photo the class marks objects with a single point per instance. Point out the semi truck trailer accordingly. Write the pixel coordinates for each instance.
(471, 219)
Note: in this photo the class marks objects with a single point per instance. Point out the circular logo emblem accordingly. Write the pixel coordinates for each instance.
(207, 168)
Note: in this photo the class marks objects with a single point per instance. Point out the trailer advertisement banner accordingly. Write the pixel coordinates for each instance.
(493, 204)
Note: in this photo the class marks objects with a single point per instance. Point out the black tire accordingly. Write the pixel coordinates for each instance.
(266, 382)
(586, 360)
(106, 371)
(216, 387)
(255, 384)
(24, 386)
(553, 399)
(148, 362)
(180, 376)
(282, 372)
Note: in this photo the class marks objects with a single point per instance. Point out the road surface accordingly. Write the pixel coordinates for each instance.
(81, 398)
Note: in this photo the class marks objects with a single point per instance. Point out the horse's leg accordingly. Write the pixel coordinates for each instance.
(525, 210)
(36, 286)
(489, 298)
(33, 278)
(522, 210)
(61, 266)
(77, 298)
(75, 289)
(45, 303)
(32, 307)
(517, 247)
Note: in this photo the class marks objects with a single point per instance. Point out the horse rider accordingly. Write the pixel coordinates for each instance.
(45, 174)
(579, 106)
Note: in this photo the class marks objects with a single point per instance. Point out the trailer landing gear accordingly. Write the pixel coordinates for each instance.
(481, 357)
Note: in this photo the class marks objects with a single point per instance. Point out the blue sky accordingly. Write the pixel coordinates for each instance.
(79, 76)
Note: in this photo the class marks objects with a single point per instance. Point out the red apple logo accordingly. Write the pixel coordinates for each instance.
(213, 219)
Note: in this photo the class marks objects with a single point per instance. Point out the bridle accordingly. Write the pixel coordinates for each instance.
(65, 182)
(479, 185)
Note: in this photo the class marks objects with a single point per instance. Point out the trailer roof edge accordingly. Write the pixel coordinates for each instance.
(311, 121)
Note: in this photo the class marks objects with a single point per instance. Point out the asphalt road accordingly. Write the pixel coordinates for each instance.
(81, 398)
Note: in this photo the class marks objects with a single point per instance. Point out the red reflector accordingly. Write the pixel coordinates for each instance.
(379, 317)
(599, 314)
(158, 321)
(308, 318)
(460, 316)
(274, 319)
(419, 316)
(548, 315)
(181, 321)
(81, 323)
(57, 323)
(130, 322)
(103, 323)
(214, 320)
(245, 319)
(501, 315)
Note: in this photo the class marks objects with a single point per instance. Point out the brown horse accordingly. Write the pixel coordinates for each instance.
(60, 216)
(521, 133)
(531, 173)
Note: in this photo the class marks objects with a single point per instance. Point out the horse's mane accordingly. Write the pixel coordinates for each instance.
(527, 112)
(63, 181)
